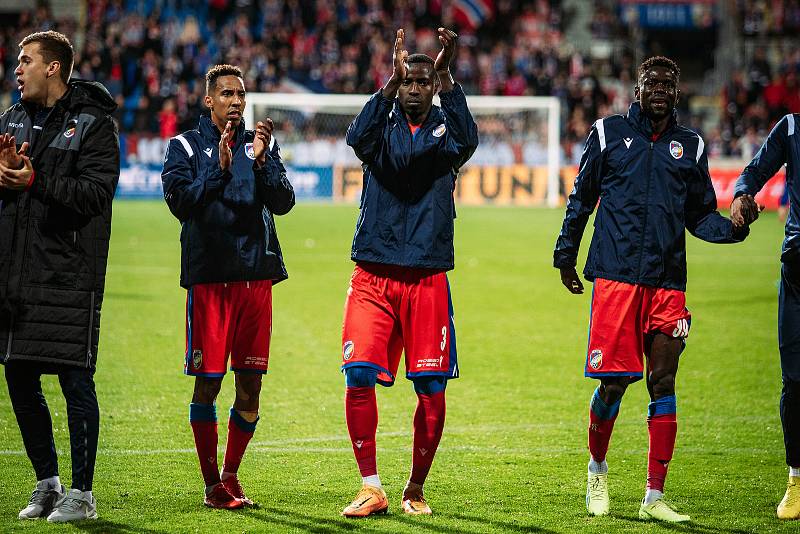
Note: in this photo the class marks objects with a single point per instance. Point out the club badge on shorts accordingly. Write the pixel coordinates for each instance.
(249, 150)
(197, 358)
(347, 350)
(676, 149)
(596, 358)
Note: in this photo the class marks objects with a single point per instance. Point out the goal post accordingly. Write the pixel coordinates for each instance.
(518, 161)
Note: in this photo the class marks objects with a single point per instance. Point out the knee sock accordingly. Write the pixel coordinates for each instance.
(240, 431)
(601, 424)
(361, 413)
(203, 418)
(428, 425)
(662, 426)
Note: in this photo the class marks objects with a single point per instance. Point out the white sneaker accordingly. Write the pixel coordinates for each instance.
(597, 494)
(43, 500)
(76, 505)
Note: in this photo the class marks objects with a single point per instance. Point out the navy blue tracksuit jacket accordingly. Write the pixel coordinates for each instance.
(407, 207)
(227, 229)
(649, 192)
(782, 146)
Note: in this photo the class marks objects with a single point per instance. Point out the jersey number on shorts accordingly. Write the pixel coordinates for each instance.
(444, 338)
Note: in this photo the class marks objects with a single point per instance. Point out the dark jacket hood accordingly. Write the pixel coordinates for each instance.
(82, 92)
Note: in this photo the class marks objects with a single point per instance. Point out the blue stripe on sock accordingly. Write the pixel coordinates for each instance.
(202, 412)
(601, 409)
(243, 424)
(662, 406)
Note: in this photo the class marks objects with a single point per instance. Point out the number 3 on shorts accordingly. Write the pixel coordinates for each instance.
(444, 338)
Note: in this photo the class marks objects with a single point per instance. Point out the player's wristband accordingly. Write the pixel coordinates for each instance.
(30, 181)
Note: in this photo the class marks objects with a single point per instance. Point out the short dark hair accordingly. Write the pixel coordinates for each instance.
(659, 61)
(220, 70)
(54, 46)
(419, 58)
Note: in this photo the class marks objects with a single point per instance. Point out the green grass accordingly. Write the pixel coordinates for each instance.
(513, 457)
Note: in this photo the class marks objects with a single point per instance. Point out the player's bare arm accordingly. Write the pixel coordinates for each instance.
(262, 140)
(399, 66)
(449, 40)
(225, 154)
(571, 280)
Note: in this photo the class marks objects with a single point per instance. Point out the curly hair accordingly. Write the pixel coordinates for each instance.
(659, 61)
(220, 70)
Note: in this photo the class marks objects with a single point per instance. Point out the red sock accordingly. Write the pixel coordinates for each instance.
(239, 433)
(428, 426)
(662, 430)
(205, 441)
(361, 413)
(599, 435)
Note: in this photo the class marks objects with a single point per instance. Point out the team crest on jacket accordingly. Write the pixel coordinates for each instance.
(439, 131)
(197, 358)
(347, 350)
(596, 358)
(676, 149)
(70, 132)
(249, 150)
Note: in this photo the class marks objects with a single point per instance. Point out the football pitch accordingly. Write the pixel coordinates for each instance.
(513, 456)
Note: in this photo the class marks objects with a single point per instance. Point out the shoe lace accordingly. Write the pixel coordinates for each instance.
(70, 504)
(234, 487)
(596, 487)
(39, 496)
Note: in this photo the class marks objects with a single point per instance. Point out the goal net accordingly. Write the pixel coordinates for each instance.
(517, 162)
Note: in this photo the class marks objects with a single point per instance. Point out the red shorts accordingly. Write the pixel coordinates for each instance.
(222, 319)
(622, 315)
(391, 309)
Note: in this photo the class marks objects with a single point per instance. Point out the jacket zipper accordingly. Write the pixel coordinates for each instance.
(646, 203)
(10, 337)
(89, 335)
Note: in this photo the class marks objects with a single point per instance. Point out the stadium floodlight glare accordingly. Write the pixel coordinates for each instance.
(518, 161)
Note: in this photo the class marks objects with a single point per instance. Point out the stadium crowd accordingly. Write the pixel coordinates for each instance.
(154, 64)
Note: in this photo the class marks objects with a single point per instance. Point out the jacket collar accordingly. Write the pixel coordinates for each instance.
(210, 131)
(641, 122)
(433, 115)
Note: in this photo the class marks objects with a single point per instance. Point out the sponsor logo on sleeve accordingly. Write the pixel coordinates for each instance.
(596, 359)
(676, 149)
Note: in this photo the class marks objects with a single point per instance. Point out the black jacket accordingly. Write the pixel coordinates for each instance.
(54, 237)
(227, 229)
(407, 207)
(650, 193)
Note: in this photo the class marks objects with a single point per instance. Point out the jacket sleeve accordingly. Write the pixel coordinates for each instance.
(185, 192)
(700, 212)
(365, 133)
(462, 134)
(581, 203)
(767, 161)
(272, 185)
(90, 192)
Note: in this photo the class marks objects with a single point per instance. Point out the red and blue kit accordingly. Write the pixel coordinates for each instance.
(392, 309)
(228, 319)
(622, 316)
